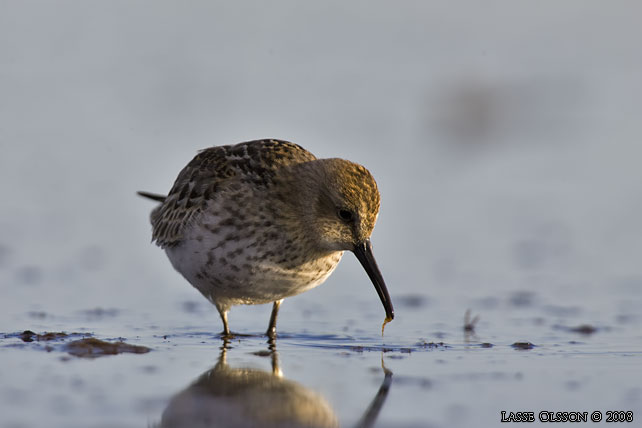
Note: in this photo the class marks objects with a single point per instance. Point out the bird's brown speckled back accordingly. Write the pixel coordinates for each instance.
(211, 168)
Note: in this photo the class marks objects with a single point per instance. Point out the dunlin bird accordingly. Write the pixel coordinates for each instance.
(259, 221)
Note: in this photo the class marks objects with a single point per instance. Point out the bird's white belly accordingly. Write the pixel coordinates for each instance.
(236, 271)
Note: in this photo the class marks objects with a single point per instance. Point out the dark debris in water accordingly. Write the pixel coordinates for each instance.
(470, 323)
(99, 313)
(583, 329)
(191, 307)
(93, 348)
(411, 301)
(396, 357)
(30, 336)
(421, 382)
(38, 315)
(360, 349)
(625, 318)
(522, 345)
(522, 299)
(431, 345)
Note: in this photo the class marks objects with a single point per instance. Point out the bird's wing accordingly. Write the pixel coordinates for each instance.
(210, 170)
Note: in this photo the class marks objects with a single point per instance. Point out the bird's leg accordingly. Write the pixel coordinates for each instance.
(271, 331)
(226, 328)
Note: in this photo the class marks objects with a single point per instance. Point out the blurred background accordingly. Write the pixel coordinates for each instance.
(505, 138)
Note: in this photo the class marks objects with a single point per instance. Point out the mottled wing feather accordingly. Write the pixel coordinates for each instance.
(210, 170)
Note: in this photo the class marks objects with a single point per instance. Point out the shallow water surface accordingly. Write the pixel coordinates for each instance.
(516, 357)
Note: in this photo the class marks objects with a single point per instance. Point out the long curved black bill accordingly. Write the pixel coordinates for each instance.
(363, 252)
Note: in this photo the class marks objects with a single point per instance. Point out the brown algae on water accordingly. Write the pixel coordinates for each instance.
(386, 321)
(94, 348)
(30, 336)
(47, 336)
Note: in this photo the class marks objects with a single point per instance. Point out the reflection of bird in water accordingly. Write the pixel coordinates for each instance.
(246, 397)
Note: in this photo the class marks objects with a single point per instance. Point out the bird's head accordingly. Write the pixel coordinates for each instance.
(337, 203)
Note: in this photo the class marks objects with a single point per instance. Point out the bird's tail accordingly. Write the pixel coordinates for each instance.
(152, 196)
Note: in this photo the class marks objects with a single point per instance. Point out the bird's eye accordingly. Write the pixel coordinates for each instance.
(344, 214)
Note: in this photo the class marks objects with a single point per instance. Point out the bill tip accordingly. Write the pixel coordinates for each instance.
(386, 321)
